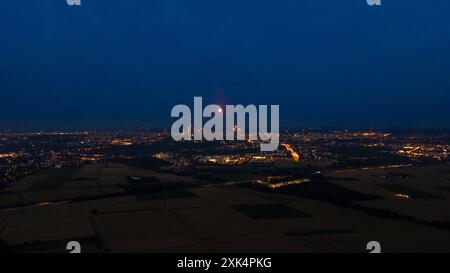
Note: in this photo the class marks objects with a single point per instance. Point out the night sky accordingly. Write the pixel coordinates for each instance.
(125, 63)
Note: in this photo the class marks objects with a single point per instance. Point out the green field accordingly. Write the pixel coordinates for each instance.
(169, 194)
(270, 211)
(54, 178)
(233, 173)
(411, 192)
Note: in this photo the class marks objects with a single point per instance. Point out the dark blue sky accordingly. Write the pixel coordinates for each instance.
(125, 63)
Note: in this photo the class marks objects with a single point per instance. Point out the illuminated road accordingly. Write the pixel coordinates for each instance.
(291, 150)
(375, 168)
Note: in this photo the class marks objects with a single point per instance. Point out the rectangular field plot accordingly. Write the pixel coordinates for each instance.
(270, 211)
(54, 178)
(169, 194)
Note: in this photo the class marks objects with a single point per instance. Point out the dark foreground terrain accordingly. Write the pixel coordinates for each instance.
(117, 208)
